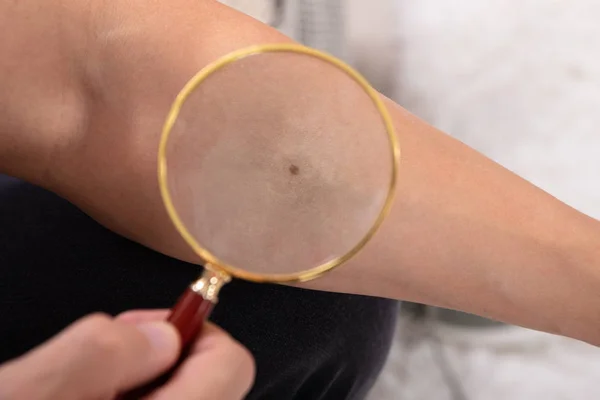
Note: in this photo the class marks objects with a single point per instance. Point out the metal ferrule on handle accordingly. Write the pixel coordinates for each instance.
(195, 305)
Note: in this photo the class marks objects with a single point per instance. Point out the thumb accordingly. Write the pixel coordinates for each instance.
(97, 357)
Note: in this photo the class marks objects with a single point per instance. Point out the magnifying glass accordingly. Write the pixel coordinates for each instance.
(277, 163)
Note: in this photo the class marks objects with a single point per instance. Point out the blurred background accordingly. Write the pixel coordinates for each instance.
(518, 81)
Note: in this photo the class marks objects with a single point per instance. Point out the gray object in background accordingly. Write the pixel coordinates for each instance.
(316, 23)
(462, 319)
(321, 25)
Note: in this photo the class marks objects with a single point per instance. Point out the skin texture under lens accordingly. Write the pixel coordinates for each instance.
(266, 196)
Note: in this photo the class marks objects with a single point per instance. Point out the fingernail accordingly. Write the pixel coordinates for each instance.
(161, 335)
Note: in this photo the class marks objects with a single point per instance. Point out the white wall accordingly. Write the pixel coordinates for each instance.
(518, 80)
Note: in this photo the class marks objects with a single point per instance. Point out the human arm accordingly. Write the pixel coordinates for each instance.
(464, 232)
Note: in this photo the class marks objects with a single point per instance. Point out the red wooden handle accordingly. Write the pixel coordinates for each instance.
(188, 316)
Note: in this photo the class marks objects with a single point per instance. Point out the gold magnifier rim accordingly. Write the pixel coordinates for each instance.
(206, 72)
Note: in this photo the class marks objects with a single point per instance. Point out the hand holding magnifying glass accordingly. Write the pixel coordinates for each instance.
(280, 204)
(99, 355)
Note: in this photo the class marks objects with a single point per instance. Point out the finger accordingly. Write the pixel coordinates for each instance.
(141, 316)
(218, 368)
(97, 357)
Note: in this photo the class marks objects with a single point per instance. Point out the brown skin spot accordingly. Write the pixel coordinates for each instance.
(294, 170)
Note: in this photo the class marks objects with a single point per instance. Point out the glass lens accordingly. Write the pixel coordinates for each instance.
(278, 163)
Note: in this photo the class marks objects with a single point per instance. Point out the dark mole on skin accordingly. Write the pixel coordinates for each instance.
(294, 170)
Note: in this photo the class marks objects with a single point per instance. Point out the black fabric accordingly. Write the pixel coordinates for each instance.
(56, 265)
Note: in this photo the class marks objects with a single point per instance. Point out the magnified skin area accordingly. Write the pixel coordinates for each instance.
(272, 176)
